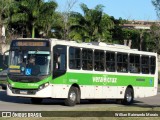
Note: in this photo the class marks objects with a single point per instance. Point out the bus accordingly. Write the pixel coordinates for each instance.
(75, 71)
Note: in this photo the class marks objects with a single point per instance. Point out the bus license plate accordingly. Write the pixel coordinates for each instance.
(23, 91)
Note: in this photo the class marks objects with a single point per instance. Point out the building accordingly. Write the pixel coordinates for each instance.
(137, 24)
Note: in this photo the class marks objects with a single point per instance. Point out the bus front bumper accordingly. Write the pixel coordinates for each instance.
(43, 93)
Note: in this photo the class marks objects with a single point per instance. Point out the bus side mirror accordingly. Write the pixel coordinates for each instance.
(6, 53)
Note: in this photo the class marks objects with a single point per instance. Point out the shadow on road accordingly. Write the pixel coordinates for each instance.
(22, 100)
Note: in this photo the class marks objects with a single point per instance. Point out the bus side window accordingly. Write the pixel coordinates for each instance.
(87, 59)
(110, 61)
(145, 64)
(134, 63)
(74, 58)
(122, 62)
(152, 64)
(99, 60)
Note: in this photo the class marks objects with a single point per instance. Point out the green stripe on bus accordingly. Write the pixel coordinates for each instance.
(104, 80)
(90, 79)
(29, 85)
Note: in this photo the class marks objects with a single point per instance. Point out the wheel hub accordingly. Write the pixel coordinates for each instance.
(72, 96)
(128, 97)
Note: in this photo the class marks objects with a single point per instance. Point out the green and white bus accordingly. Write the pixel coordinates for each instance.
(74, 71)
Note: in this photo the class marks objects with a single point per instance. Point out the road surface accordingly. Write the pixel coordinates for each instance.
(8, 103)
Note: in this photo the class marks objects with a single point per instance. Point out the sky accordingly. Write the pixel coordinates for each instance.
(126, 9)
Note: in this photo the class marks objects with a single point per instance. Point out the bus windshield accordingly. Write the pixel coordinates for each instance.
(29, 63)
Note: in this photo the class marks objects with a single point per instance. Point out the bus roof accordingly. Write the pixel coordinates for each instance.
(93, 45)
(101, 46)
(31, 39)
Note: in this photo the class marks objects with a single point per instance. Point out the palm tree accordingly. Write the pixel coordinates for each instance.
(4, 12)
(34, 14)
(93, 25)
(58, 25)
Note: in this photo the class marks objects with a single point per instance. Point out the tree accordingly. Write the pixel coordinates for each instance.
(34, 14)
(58, 26)
(61, 25)
(155, 37)
(155, 28)
(92, 25)
(119, 34)
(4, 13)
(156, 4)
(65, 17)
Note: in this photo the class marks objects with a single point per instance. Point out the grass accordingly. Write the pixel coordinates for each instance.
(102, 107)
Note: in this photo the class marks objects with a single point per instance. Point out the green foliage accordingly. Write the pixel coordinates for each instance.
(155, 30)
(156, 4)
(154, 38)
(92, 25)
(5, 11)
(131, 34)
(60, 25)
(33, 15)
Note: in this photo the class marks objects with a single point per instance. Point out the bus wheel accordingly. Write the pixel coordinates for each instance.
(36, 100)
(72, 97)
(128, 97)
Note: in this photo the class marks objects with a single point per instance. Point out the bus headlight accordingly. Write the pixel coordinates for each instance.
(43, 86)
(9, 86)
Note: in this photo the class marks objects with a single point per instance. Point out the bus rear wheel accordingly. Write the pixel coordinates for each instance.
(36, 100)
(128, 97)
(73, 95)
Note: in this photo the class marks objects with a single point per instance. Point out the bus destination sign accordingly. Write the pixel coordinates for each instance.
(30, 43)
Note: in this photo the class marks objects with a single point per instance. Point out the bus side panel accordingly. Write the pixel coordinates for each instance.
(60, 90)
(102, 92)
(87, 92)
(109, 91)
(140, 92)
(60, 87)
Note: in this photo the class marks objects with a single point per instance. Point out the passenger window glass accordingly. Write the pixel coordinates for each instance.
(110, 61)
(122, 62)
(74, 58)
(152, 65)
(145, 64)
(99, 60)
(134, 64)
(87, 59)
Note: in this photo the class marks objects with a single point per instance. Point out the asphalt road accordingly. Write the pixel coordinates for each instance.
(8, 103)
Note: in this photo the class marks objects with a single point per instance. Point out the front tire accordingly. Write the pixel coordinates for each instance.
(72, 97)
(128, 97)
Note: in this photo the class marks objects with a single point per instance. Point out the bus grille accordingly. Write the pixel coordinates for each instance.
(25, 79)
(27, 92)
